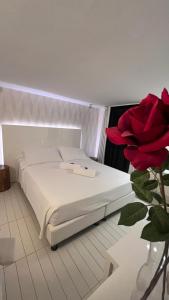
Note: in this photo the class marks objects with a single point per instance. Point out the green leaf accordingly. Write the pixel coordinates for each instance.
(150, 214)
(157, 197)
(150, 184)
(150, 233)
(132, 213)
(160, 219)
(166, 179)
(139, 177)
(142, 193)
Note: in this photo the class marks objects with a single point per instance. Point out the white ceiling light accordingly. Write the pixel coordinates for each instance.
(45, 94)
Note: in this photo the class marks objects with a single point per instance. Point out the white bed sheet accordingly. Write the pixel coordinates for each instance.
(58, 195)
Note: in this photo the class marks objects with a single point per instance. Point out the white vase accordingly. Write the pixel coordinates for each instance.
(147, 272)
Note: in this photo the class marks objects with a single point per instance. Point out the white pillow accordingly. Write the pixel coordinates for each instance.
(38, 155)
(71, 153)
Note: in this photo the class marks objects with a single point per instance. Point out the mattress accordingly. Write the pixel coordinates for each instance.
(57, 195)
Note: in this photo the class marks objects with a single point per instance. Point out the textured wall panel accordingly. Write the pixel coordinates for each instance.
(19, 108)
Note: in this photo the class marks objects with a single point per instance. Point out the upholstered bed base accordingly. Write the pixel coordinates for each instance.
(56, 234)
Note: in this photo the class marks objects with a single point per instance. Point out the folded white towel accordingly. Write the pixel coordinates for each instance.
(68, 165)
(84, 171)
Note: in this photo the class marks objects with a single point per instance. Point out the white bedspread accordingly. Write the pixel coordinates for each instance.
(58, 195)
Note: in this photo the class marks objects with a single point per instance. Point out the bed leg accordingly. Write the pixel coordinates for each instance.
(54, 247)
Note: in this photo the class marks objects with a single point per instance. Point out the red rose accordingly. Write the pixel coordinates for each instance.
(145, 131)
(165, 97)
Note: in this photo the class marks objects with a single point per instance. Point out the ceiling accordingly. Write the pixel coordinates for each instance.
(102, 51)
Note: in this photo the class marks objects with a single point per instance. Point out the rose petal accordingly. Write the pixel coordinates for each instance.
(150, 99)
(153, 111)
(151, 135)
(155, 116)
(137, 125)
(142, 161)
(114, 135)
(165, 96)
(160, 143)
(124, 121)
(127, 133)
(128, 120)
(142, 117)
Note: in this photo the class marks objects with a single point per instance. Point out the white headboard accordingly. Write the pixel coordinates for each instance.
(17, 138)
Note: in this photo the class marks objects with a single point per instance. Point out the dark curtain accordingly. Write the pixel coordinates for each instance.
(114, 156)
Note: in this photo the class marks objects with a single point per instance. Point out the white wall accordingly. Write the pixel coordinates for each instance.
(103, 137)
(24, 108)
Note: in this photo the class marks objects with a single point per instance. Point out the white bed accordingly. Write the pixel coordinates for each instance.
(65, 203)
(58, 195)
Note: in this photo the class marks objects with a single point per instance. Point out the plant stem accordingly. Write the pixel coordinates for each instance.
(160, 269)
(165, 272)
(154, 281)
(155, 277)
(162, 190)
(155, 175)
(166, 254)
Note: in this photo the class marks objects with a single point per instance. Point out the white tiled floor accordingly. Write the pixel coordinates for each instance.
(72, 272)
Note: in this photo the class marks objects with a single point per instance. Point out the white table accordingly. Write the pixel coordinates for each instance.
(127, 255)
